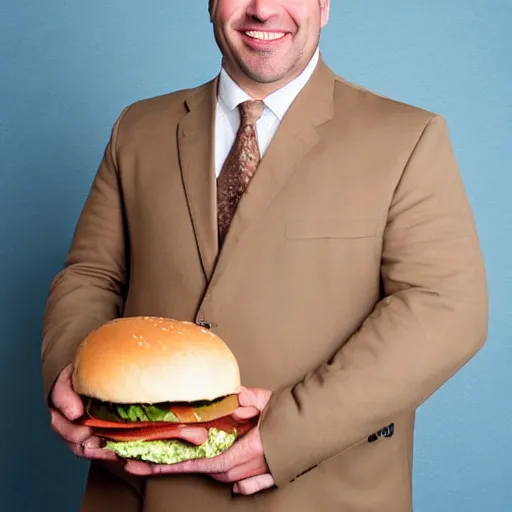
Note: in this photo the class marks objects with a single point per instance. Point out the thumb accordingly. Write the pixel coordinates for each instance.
(194, 435)
(255, 397)
(64, 397)
(245, 413)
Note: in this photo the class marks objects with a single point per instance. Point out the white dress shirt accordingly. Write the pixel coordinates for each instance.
(227, 117)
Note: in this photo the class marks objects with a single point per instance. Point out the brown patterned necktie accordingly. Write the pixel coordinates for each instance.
(240, 164)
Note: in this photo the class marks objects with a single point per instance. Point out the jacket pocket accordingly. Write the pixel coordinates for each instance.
(330, 228)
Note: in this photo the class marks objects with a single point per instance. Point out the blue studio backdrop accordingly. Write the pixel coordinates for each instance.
(66, 71)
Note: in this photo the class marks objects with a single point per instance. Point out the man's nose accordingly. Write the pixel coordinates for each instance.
(262, 10)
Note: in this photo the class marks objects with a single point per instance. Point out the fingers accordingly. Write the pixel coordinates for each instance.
(99, 454)
(245, 413)
(247, 397)
(219, 464)
(67, 430)
(255, 397)
(242, 452)
(91, 450)
(194, 435)
(254, 484)
(248, 477)
(189, 466)
(64, 397)
(79, 439)
(243, 471)
(139, 468)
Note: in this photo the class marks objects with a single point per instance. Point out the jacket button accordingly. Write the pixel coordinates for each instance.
(384, 432)
(206, 324)
(388, 431)
(373, 438)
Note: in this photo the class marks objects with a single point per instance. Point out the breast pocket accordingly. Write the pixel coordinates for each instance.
(318, 229)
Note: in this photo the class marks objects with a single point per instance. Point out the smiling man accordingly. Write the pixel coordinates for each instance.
(322, 231)
(266, 45)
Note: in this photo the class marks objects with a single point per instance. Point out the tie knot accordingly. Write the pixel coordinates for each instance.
(251, 111)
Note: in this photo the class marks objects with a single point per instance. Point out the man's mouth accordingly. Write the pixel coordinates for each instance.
(264, 36)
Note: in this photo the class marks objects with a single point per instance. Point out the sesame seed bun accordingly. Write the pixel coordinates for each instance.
(151, 360)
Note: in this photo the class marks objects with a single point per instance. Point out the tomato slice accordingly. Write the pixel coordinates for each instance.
(96, 423)
(141, 434)
(172, 431)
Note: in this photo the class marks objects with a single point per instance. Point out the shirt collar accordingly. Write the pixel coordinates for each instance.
(231, 95)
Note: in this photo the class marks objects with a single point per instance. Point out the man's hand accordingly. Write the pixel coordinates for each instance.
(68, 407)
(243, 464)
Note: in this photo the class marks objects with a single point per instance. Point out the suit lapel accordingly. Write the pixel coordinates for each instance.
(296, 136)
(195, 148)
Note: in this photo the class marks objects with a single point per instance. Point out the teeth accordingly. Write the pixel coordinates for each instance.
(265, 36)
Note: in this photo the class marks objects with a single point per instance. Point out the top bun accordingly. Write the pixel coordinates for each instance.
(150, 360)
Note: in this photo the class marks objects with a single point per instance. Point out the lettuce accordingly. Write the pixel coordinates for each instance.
(172, 451)
(145, 413)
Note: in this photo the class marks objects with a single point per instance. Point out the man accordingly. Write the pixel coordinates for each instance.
(326, 234)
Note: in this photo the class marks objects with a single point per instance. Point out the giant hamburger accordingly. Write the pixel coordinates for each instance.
(144, 379)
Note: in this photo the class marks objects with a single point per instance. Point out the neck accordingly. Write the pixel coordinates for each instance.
(260, 90)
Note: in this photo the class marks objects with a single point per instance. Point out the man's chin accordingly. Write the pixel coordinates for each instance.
(257, 71)
(269, 69)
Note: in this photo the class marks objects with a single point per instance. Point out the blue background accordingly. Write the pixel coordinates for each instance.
(66, 71)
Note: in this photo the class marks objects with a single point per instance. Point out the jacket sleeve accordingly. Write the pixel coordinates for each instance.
(431, 321)
(89, 289)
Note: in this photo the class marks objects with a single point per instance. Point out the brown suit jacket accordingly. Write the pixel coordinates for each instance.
(351, 283)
